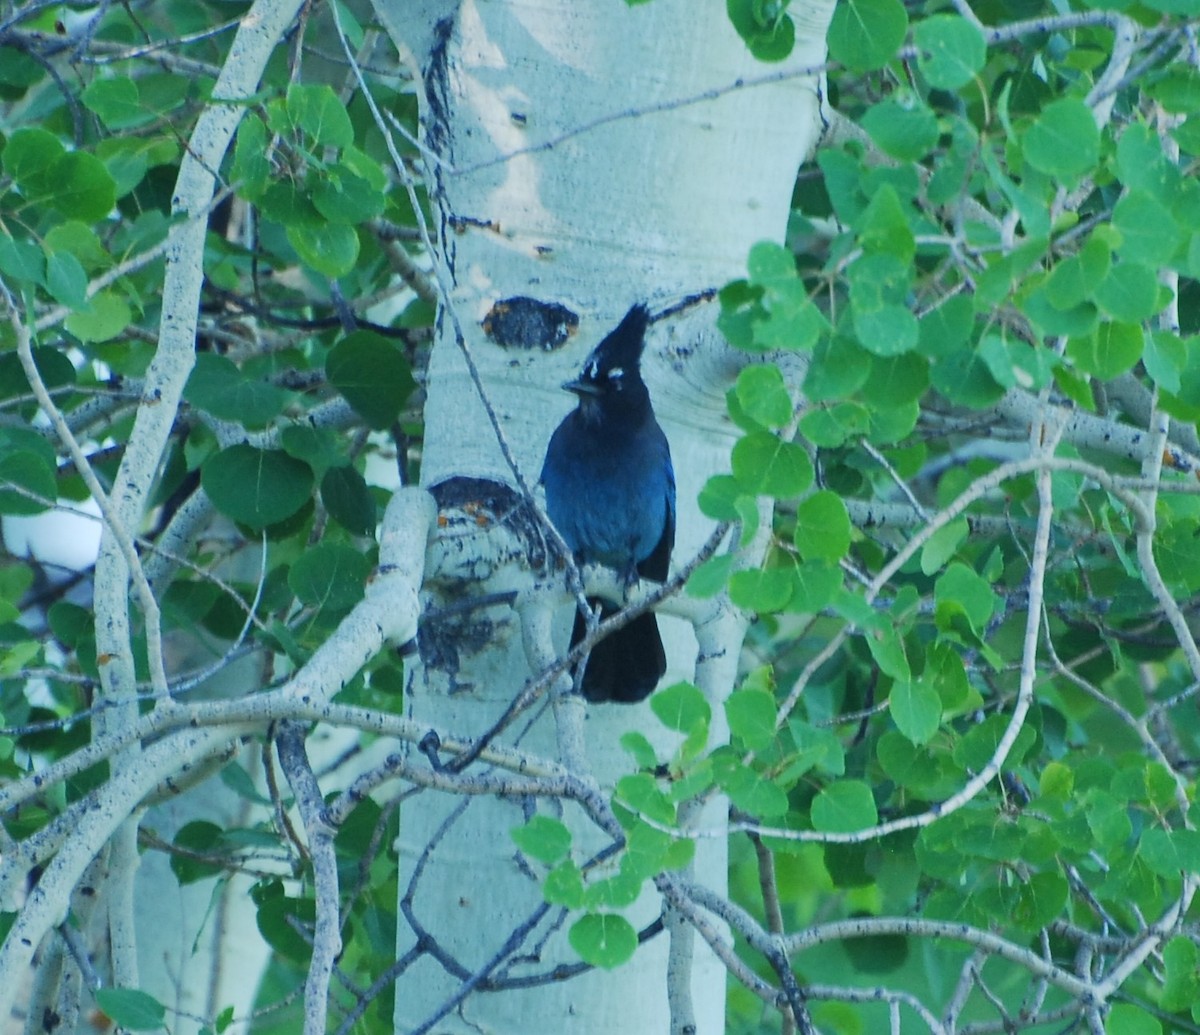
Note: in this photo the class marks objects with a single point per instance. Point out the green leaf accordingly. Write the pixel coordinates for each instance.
(318, 111)
(197, 838)
(896, 381)
(116, 102)
(767, 29)
(751, 715)
(884, 226)
(902, 125)
(865, 34)
(1150, 234)
(86, 189)
(1063, 140)
(749, 791)
(762, 590)
(681, 707)
(916, 709)
(711, 577)
(329, 576)
(814, 585)
(1165, 358)
(961, 589)
(844, 807)
(763, 395)
(1075, 279)
(21, 259)
(603, 939)
(28, 483)
(765, 465)
(641, 792)
(950, 50)
(943, 545)
(218, 386)
(543, 838)
(66, 280)
(1181, 988)
(331, 249)
(563, 886)
(104, 316)
(639, 746)
(251, 171)
(257, 487)
(822, 527)
(343, 197)
(1170, 852)
(1113, 349)
(131, 1008)
(1014, 363)
(348, 499)
(831, 426)
(1129, 292)
(29, 158)
(372, 374)
(1126, 1019)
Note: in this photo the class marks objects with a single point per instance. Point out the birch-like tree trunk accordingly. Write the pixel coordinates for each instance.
(586, 156)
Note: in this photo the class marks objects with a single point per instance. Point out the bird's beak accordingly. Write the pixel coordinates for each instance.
(581, 388)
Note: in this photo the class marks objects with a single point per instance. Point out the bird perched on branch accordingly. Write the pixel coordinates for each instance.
(610, 491)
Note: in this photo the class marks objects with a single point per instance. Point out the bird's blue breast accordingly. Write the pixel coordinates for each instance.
(612, 507)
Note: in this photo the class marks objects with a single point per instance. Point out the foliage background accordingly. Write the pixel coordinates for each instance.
(963, 759)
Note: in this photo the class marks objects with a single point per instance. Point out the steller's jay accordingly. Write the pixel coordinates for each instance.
(610, 491)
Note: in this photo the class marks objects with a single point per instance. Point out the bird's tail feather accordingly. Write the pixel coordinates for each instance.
(627, 664)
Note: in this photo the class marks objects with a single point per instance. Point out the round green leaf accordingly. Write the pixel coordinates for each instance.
(950, 50)
(765, 465)
(330, 576)
(1127, 1019)
(887, 330)
(902, 125)
(1149, 232)
(348, 499)
(603, 939)
(317, 111)
(256, 487)
(750, 792)
(916, 709)
(372, 374)
(751, 715)
(761, 590)
(865, 34)
(197, 838)
(218, 386)
(763, 395)
(331, 249)
(27, 483)
(29, 158)
(543, 838)
(1063, 141)
(117, 102)
(822, 527)
(84, 187)
(681, 707)
(104, 316)
(1129, 292)
(342, 197)
(844, 807)
(1110, 351)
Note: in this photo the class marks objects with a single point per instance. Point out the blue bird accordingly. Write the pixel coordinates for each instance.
(610, 491)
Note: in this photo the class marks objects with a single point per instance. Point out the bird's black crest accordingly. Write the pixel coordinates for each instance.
(622, 348)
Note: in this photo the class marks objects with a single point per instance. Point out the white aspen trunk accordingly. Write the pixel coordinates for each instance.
(565, 170)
